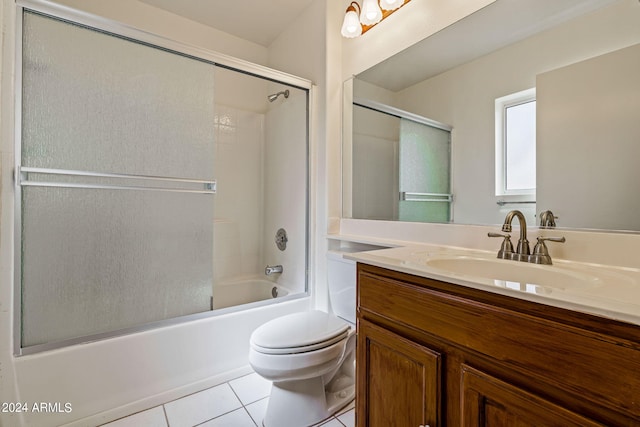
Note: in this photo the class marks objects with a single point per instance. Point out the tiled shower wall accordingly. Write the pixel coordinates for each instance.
(238, 168)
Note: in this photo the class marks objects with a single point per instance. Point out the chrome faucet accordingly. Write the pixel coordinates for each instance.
(271, 269)
(522, 249)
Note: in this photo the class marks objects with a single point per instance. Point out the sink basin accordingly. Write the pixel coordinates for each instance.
(514, 274)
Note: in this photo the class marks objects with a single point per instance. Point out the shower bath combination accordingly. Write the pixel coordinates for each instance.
(275, 96)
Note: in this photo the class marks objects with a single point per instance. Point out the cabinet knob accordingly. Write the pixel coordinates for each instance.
(426, 425)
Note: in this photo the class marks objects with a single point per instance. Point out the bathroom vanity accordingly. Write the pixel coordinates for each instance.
(436, 350)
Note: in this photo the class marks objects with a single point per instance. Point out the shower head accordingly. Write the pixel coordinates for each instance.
(275, 96)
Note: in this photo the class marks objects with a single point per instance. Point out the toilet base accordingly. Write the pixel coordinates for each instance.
(307, 402)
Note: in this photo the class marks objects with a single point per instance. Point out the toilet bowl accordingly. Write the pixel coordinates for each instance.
(310, 359)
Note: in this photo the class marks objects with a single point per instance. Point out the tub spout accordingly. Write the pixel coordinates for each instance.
(271, 269)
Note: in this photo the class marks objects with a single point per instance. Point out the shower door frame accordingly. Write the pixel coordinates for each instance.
(118, 29)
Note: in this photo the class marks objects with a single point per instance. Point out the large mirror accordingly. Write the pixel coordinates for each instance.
(583, 59)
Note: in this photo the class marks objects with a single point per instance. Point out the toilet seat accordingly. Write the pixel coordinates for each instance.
(301, 349)
(299, 333)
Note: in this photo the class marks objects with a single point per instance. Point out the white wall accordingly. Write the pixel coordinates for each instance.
(589, 141)
(156, 21)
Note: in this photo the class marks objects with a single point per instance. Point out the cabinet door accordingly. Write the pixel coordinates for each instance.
(490, 402)
(398, 380)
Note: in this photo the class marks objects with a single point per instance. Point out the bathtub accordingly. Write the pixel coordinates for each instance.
(109, 379)
(245, 291)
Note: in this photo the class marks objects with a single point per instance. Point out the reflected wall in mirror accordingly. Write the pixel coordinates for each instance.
(585, 160)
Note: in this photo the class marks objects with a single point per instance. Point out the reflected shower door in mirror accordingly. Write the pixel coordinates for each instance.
(401, 166)
(579, 56)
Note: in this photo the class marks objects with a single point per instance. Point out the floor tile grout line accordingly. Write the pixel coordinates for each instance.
(250, 417)
(166, 417)
(219, 416)
(243, 406)
(235, 393)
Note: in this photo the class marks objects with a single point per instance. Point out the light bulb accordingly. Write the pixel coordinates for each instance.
(391, 4)
(371, 13)
(351, 26)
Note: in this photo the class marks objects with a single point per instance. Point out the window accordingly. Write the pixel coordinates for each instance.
(516, 144)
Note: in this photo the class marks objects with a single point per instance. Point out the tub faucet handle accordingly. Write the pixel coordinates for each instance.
(271, 269)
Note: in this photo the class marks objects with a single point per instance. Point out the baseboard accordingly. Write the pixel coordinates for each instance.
(158, 399)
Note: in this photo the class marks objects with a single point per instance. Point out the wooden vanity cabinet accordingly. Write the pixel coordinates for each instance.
(401, 379)
(430, 353)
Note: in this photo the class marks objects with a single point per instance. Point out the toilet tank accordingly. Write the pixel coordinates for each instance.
(341, 278)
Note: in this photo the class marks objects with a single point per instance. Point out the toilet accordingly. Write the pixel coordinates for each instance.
(310, 357)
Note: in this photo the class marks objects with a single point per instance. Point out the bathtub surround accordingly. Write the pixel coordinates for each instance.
(260, 149)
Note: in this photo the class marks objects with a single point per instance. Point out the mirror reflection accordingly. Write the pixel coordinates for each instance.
(579, 58)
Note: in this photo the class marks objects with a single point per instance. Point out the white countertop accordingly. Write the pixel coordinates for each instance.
(611, 292)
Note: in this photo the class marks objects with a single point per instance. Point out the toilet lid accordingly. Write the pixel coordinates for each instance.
(304, 331)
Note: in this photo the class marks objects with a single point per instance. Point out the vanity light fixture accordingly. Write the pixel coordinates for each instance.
(351, 26)
(371, 13)
(358, 21)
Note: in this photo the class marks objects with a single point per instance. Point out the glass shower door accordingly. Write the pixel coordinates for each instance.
(115, 186)
(425, 183)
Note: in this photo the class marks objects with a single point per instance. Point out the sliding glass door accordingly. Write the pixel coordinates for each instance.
(116, 183)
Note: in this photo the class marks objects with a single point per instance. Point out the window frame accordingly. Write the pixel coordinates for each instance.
(501, 106)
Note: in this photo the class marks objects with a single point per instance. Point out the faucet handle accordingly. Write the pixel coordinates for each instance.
(541, 253)
(507, 247)
(552, 239)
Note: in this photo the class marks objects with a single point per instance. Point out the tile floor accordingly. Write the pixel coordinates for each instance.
(238, 403)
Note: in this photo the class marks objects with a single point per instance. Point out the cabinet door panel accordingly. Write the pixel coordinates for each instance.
(399, 381)
(490, 402)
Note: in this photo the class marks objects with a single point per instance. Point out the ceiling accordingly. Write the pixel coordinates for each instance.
(259, 21)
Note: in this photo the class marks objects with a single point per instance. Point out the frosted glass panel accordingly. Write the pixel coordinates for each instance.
(95, 102)
(424, 168)
(101, 260)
